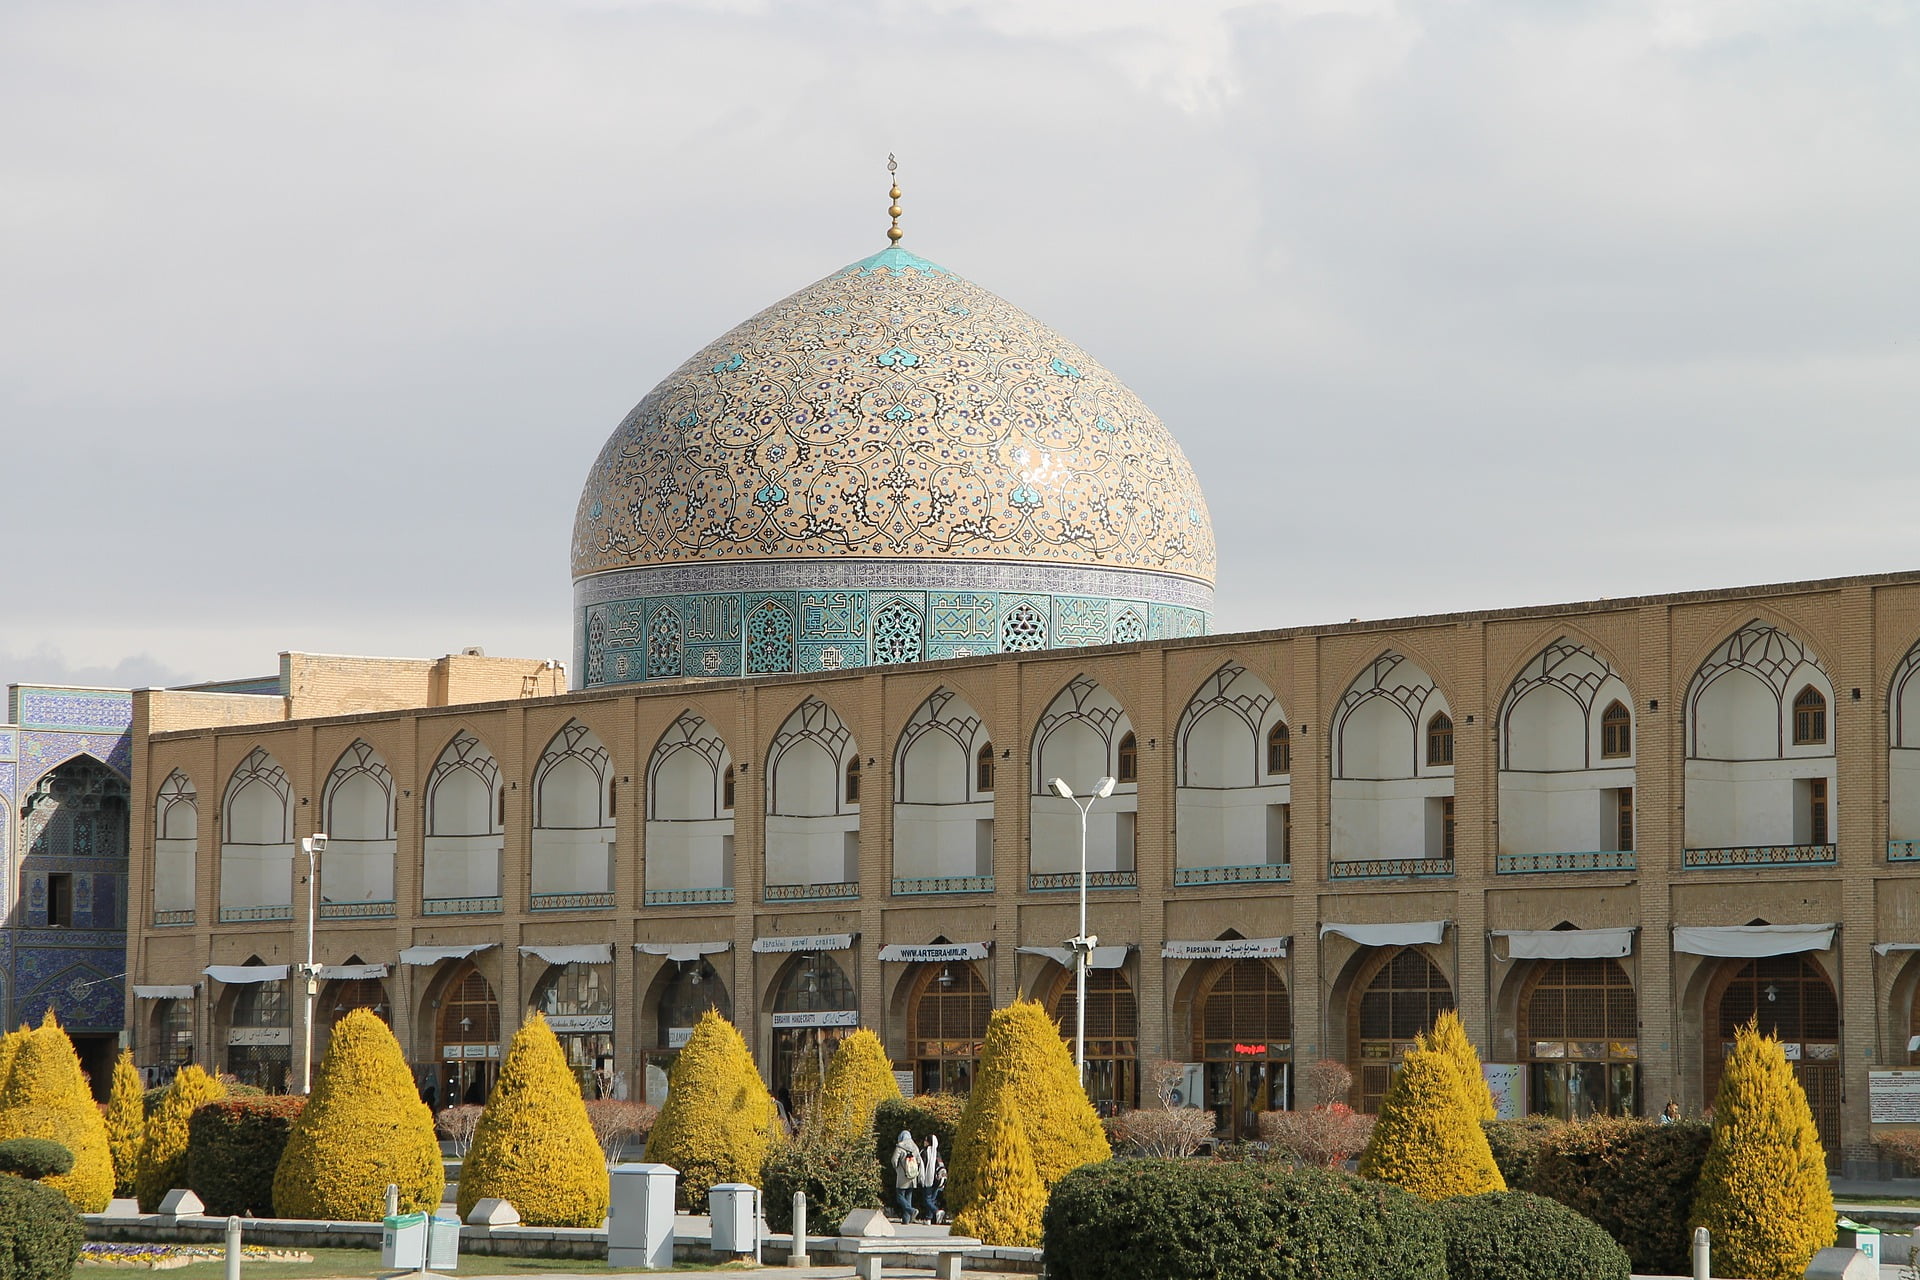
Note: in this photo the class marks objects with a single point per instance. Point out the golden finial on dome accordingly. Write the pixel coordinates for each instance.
(894, 232)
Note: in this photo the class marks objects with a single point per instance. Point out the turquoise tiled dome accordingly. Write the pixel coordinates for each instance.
(891, 427)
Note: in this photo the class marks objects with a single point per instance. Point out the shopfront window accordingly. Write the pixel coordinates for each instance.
(577, 1001)
(1113, 1031)
(1243, 1033)
(469, 1037)
(1401, 998)
(949, 1021)
(814, 1008)
(1580, 1037)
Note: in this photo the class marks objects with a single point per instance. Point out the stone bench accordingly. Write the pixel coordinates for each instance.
(946, 1259)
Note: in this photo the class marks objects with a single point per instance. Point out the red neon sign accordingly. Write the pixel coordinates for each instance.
(1251, 1050)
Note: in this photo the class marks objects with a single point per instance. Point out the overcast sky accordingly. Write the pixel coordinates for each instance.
(314, 315)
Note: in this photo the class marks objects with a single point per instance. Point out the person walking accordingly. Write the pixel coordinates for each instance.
(906, 1173)
(933, 1179)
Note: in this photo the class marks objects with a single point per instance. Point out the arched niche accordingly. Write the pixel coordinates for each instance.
(1903, 759)
(681, 993)
(573, 821)
(1566, 785)
(1084, 735)
(1398, 994)
(176, 849)
(1792, 999)
(690, 790)
(942, 815)
(1233, 806)
(1760, 790)
(813, 811)
(466, 822)
(1579, 1038)
(1392, 792)
(577, 1002)
(814, 1007)
(257, 1028)
(947, 1010)
(1242, 1032)
(256, 846)
(463, 1020)
(357, 807)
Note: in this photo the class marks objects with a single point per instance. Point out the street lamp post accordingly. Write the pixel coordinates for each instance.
(313, 846)
(1082, 946)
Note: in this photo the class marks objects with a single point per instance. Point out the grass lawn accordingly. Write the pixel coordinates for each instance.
(366, 1262)
(1900, 1202)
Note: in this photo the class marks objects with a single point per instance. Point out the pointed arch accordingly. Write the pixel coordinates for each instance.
(1392, 785)
(357, 807)
(573, 822)
(1079, 739)
(256, 847)
(943, 798)
(813, 826)
(1760, 767)
(465, 805)
(176, 849)
(1233, 809)
(690, 797)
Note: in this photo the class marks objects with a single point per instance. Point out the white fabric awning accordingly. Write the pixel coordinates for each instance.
(908, 953)
(681, 951)
(586, 953)
(1567, 944)
(352, 972)
(1227, 949)
(1102, 957)
(812, 942)
(1746, 941)
(163, 993)
(1882, 948)
(434, 955)
(237, 973)
(1414, 934)
(1913, 1042)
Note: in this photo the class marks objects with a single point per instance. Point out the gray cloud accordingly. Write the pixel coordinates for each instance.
(317, 314)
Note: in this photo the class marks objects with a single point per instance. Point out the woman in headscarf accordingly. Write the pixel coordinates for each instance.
(906, 1173)
(933, 1176)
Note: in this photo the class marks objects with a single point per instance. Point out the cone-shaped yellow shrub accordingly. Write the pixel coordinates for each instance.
(46, 1096)
(1025, 1060)
(1428, 1138)
(1449, 1036)
(535, 1147)
(9, 1049)
(126, 1122)
(363, 1127)
(1008, 1194)
(163, 1151)
(1763, 1188)
(859, 1078)
(719, 1121)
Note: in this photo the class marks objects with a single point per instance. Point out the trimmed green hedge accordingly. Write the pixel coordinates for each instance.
(1635, 1178)
(35, 1158)
(40, 1233)
(1516, 1146)
(234, 1147)
(1200, 1220)
(1514, 1235)
(839, 1175)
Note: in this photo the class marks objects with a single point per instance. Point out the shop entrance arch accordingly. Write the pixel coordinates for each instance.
(1243, 1034)
(1580, 1038)
(1792, 1000)
(1113, 1035)
(467, 1036)
(948, 1018)
(1402, 992)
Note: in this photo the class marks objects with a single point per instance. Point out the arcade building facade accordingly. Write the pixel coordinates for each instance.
(1607, 833)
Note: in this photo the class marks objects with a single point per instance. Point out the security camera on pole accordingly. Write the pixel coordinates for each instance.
(1081, 946)
(313, 846)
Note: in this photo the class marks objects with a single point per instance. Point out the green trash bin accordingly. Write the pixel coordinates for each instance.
(403, 1242)
(1855, 1235)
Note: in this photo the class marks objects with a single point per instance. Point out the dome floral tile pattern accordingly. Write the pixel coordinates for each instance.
(893, 410)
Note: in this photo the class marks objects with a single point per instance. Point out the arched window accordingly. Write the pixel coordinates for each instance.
(1792, 1000)
(265, 1049)
(577, 1000)
(814, 984)
(1399, 1001)
(1113, 1031)
(1579, 1034)
(1440, 740)
(1243, 1032)
(1616, 732)
(853, 780)
(1809, 718)
(1127, 760)
(468, 1036)
(172, 1044)
(949, 1021)
(1279, 749)
(726, 789)
(983, 770)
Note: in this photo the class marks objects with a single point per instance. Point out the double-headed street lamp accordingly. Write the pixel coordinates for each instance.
(1082, 946)
(313, 846)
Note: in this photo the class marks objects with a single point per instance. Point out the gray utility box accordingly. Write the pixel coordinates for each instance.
(735, 1210)
(1857, 1235)
(403, 1242)
(640, 1221)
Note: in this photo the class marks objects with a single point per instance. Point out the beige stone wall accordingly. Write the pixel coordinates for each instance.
(1860, 629)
